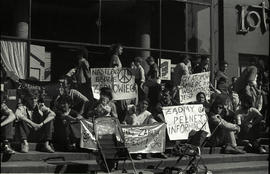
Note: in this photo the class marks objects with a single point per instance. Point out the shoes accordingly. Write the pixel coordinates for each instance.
(8, 150)
(48, 148)
(138, 157)
(25, 148)
(71, 147)
(260, 150)
(232, 150)
(249, 148)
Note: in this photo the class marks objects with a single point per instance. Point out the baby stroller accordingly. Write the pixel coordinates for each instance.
(111, 144)
(191, 150)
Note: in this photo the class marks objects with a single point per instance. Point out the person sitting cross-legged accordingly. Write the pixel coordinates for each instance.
(224, 134)
(35, 119)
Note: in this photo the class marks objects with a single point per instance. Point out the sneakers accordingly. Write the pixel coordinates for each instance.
(232, 150)
(8, 150)
(48, 148)
(25, 148)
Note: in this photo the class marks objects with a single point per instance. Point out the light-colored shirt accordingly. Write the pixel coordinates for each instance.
(142, 118)
(23, 112)
(115, 61)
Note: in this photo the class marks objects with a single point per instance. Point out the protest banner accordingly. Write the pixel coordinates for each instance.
(88, 140)
(120, 80)
(145, 139)
(191, 85)
(182, 119)
(165, 69)
(138, 139)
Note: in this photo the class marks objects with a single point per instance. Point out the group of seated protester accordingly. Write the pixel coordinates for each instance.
(233, 119)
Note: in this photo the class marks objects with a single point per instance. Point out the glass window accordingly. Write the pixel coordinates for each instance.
(173, 26)
(198, 28)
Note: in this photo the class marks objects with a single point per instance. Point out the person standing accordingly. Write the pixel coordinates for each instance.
(117, 51)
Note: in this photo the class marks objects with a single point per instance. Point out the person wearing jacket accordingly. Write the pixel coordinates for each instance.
(224, 134)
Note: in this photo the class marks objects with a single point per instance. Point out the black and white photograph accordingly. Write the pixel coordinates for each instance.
(134, 86)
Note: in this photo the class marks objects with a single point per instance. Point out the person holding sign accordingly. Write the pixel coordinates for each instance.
(225, 131)
(140, 116)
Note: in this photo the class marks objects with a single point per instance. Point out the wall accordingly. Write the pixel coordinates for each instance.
(254, 42)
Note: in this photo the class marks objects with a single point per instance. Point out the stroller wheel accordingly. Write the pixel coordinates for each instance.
(167, 170)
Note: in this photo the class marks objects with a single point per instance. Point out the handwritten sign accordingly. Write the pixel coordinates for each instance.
(88, 140)
(191, 85)
(165, 69)
(182, 119)
(120, 80)
(138, 139)
(145, 139)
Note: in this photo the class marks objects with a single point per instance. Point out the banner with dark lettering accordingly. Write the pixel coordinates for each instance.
(145, 139)
(120, 80)
(138, 139)
(165, 69)
(182, 119)
(191, 85)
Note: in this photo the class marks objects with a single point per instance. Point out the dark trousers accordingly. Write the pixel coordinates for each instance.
(67, 132)
(41, 135)
(7, 132)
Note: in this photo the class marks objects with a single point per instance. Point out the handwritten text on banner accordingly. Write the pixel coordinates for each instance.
(182, 119)
(191, 85)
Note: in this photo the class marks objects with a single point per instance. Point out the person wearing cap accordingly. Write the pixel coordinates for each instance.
(7, 118)
(34, 117)
(224, 134)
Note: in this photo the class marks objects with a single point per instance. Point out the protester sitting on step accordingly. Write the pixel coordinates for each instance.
(252, 124)
(35, 118)
(7, 118)
(67, 124)
(224, 131)
(141, 116)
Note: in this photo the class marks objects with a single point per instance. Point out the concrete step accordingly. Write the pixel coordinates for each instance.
(213, 161)
(41, 156)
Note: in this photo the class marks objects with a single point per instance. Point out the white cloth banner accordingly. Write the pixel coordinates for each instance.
(182, 119)
(13, 56)
(145, 139)
(120, 80)
(88, 140)
(138, 139)
(191, 85)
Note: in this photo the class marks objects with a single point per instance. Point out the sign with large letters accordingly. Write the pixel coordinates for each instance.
(252, 17)
(165, 69)
(120, 80)
(182, 119)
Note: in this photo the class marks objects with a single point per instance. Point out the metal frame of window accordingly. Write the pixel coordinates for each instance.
(29, 40)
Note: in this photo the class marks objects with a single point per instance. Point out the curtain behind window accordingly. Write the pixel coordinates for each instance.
(13, 57)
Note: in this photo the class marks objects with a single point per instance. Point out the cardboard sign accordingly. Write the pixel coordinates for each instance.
(145, 139)
(165, 69)
(182, 119)
(88, 140)
(191, 85)
(120, 80)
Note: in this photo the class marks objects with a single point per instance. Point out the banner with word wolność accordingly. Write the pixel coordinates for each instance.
(165, 69)
(191, 85)
(120, 80)
(145, 139)
(182, 119)
(88, 140)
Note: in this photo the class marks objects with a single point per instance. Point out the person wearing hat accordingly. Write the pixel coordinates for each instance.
(34, 117)
(224, 131)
